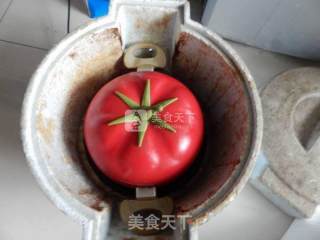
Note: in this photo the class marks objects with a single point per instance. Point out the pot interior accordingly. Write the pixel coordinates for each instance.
(96, 59)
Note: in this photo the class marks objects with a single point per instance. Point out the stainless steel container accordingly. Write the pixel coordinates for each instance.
(76, 68)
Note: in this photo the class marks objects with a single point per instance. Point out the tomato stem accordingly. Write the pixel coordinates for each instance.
(145, 113)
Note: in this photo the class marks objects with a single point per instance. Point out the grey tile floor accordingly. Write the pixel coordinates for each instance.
(28, 29)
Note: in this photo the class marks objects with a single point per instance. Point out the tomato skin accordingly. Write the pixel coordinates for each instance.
(163, 155)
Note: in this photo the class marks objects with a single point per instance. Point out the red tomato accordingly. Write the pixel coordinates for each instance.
(165, 151)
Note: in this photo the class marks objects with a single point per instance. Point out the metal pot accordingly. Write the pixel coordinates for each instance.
(76, 68)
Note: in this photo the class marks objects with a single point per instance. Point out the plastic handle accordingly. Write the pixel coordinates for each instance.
(145, 56)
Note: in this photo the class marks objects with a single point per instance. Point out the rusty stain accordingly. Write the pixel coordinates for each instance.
(189, 221)
(86, 191)
(97, 205)
(111, 34)
(183, 40)
(91, 76)
(73, 55)
(139, 23)
(161, 23)
(219, 87)
(162, 238)
(45, 127)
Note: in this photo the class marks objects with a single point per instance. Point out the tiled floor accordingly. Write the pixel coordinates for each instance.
(28, 28)
(37, 23)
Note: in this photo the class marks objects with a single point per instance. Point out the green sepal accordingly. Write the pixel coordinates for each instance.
(142, 131)
(161, 105)
(131, 103)
(149, 116)
(161, 123)
(146, 99)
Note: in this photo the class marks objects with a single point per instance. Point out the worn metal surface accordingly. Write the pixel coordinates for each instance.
(69, 76)
(290, 178)
(219, 87)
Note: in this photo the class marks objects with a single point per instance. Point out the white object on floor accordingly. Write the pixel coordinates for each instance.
(290, 104)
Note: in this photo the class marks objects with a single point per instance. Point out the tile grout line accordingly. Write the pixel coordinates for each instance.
(68, 17)
(15, 43)
(6, 10)
(23, 45)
